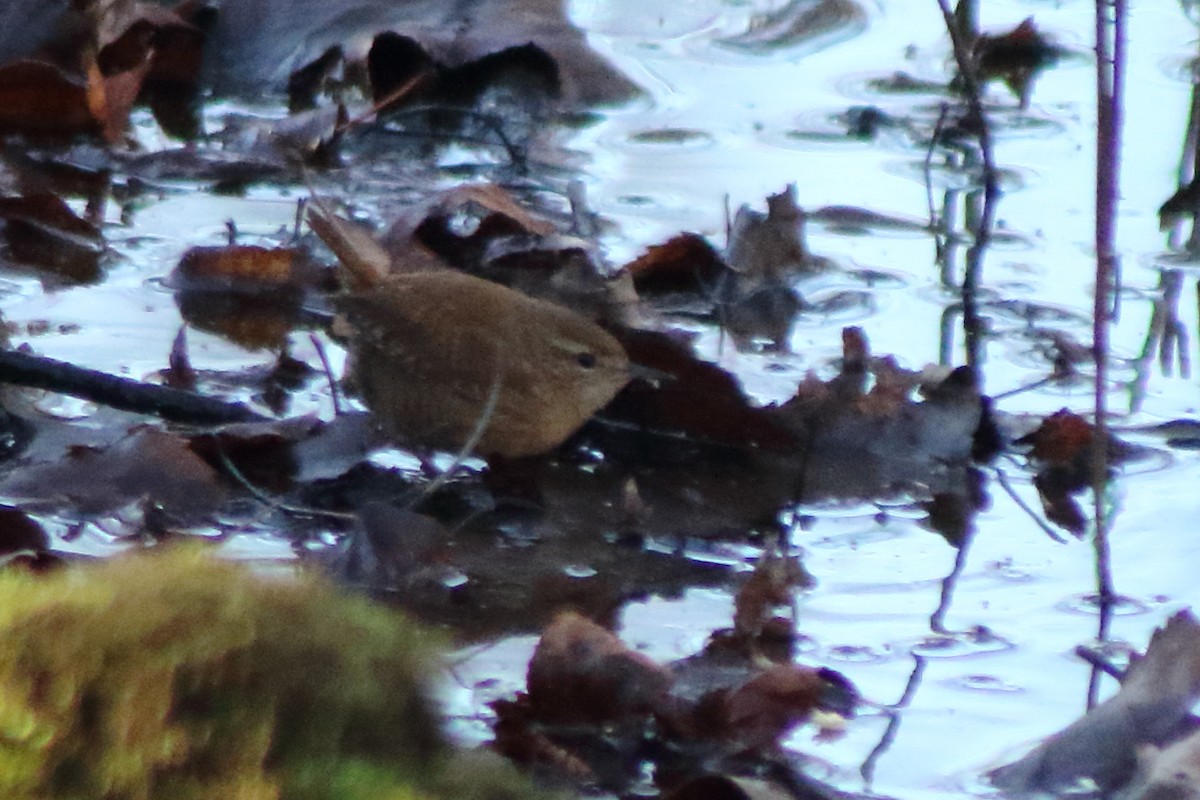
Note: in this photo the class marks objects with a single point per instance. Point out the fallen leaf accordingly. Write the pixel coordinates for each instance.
(1168, 773)
(684, 263)
(456, 227)
(773, 583)
(147, 465)
(253, 47)
(42, 231)
(769, 248)
(799, 24)
(40, 99)
(1156, 697)
(582, 673)
(1016, 57)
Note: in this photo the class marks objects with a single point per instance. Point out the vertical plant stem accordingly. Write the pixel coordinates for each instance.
(1110, 61)
(986, 221)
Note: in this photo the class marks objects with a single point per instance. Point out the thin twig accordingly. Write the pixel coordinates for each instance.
(1110, 49)
(266, 499)
(936, 226)
(1002, 479)
(391, 97)
(481, 425)
(334, 394)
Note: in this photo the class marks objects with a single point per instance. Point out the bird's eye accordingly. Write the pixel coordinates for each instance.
(586, 360)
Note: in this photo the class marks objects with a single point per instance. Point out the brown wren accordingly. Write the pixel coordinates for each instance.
(440, 357)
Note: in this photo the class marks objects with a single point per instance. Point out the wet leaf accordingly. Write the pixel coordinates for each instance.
(1016, 57)
(799, 24)
(684, 263)
(761, 711)
(42, 231)
(260, 451)
(146, 466)
(773, 583)
(694, 399)
(37, 97)
(1156, 697)
(582, 673)
(1061, 439)
(253, 296)
(238, 266)
(768, 248)
(455, 228)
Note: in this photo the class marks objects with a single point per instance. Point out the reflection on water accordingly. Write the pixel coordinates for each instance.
(802, 120)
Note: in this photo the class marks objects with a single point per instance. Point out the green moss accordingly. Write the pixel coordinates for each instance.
(179, 676)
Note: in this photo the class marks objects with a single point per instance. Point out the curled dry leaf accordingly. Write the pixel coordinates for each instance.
(456, 227)
(695, 399)
(1016, 57)
(256, 43)
(1061, 439)
(1156, 697)
(1062, 448)
(769, 248)
(582, 673)
(243, 267)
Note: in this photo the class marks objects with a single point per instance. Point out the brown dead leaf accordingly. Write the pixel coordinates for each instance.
(42, 231)
(769, 248)
(240, 264)
(518, 739)
(455, 228)
(111, 97)
(773, 583)
(1156, 697)
(251, 295)
(582, 673)
(40, 99)
(684, 263)
(761, 711)
(261, 451)
(1062, 438)
(1016, 57)
(148, 465)
(695, 399)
